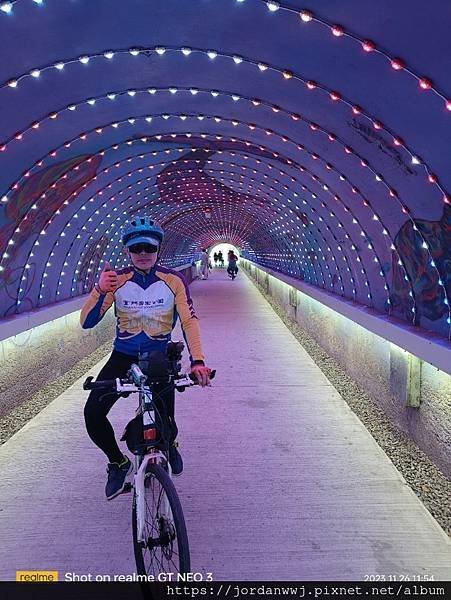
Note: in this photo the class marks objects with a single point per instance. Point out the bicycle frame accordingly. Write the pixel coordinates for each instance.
(153, 455)
(139, 485)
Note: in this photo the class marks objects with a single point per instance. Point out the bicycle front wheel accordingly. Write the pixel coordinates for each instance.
(165, 547)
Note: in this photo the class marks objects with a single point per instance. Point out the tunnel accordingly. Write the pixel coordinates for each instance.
(312, 139)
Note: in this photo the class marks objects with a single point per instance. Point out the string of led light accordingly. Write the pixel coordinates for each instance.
(334, 95)
(109, 186)
(286, 77)
(353, 188)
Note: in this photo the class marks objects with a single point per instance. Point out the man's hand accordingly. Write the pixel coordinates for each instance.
(202, 374)
(108, 279)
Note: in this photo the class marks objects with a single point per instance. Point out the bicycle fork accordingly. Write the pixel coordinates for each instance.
(140, 496)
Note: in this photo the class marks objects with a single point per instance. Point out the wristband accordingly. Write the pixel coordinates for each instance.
(198, 362)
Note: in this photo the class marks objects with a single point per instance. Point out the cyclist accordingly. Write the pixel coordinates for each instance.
(148, 299)
(232, 269)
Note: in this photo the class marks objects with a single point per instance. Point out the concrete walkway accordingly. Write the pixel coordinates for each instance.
(282, 481)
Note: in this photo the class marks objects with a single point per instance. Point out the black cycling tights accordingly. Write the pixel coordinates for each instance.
(96, 409)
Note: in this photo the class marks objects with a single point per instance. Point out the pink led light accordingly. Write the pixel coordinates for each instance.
(397, 64)
(425, 83)
(337, 31)
(368, 46)
(335, 95)
(356, 110)
(312, 85)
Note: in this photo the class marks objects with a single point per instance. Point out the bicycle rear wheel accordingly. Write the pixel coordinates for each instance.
(165, 549)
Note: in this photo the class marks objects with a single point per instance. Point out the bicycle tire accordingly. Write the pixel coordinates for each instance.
(147, 562)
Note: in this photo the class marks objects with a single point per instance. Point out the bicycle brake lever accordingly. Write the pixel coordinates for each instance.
(86, 383)
(194, 378)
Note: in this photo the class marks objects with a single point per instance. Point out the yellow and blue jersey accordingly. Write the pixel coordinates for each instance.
(147, 306)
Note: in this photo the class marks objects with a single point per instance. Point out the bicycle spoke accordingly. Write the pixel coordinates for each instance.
(163, 549)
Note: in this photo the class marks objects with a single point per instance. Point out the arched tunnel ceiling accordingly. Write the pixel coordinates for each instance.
(314, 136)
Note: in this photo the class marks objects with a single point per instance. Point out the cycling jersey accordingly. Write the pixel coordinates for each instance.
(146, 306)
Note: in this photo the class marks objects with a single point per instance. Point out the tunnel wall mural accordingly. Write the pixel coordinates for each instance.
(314, 137)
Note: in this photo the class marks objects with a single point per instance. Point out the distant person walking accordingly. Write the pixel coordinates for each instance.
(220, 259)
(204, 264)
(232, 268)
(215, 259)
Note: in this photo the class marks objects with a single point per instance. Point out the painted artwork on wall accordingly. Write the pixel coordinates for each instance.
(88, 269)
(47, 190)
(425, 275)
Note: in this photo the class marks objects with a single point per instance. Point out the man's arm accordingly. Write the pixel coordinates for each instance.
(95, 308)
(100, 299)
(189, 320)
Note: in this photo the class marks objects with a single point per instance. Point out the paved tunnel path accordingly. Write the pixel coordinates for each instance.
(282, 481)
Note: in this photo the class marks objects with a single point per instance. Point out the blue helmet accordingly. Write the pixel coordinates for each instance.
(142, 230)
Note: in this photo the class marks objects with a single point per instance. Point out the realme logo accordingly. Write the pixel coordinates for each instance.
(43, 576)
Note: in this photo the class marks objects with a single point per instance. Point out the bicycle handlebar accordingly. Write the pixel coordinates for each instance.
(89, 384)
(181, 381)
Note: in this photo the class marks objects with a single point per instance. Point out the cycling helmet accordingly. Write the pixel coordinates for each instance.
(142, 230)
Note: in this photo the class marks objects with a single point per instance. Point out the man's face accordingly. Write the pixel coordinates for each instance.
(143, 256)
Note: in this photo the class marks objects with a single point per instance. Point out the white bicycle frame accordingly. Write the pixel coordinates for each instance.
(153, 456)
(139, 484)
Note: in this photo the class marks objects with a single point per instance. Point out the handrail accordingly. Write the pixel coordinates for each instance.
(425, 345)
(11, 326)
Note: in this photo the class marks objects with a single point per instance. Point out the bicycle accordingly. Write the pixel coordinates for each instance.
(160, 539)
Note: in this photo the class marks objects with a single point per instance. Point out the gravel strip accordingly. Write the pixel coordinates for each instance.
(16, 418)
(426, 480)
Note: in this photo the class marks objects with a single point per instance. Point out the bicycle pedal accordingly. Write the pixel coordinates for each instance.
(127, 488)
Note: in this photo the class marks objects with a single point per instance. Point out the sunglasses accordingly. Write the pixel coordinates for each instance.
(139, 248)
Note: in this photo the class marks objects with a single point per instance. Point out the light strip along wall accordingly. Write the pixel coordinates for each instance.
(404, 372)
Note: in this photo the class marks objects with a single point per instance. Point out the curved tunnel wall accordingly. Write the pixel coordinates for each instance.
(314, 139)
